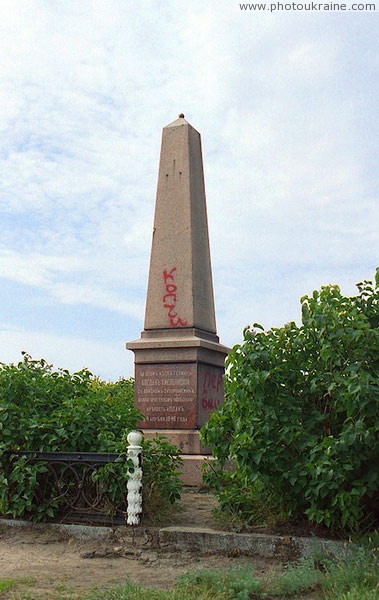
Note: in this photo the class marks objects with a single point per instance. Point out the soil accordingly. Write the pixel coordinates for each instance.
(47, 563)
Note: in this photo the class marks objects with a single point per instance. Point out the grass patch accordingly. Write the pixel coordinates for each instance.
(10, 585)
(207, 584)
(354, 577)
(129, 591)
(219, 585)
(7, 584)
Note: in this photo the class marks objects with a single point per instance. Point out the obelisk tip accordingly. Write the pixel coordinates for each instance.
(179, 122)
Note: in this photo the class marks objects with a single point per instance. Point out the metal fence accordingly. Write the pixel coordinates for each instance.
(70, 478)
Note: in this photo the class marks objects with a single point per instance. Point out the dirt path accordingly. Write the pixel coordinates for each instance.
(48, 563)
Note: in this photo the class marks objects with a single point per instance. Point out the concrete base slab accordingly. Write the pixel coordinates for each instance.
(201, 540)
(192, 469)
(188, 441)
(209, 541)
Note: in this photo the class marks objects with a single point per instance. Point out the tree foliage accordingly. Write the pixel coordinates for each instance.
(300, 417)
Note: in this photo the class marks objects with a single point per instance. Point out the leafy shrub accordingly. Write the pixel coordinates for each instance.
(242, 504)
(46, 410)
(161, 468)
(300, 416)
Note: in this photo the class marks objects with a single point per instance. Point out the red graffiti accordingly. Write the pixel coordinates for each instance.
(170, 297)
(213, 390)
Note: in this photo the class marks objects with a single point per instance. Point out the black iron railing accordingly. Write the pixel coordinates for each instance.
(70, 479)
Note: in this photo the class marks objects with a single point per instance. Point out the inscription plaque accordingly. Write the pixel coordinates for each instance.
(166, 394)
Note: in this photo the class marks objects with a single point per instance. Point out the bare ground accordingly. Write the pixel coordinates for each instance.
(50, 564)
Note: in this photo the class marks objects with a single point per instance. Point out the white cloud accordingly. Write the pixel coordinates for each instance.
(53, 273)
(108, 361)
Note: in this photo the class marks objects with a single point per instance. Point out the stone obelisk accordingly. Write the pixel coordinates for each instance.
(179, 362)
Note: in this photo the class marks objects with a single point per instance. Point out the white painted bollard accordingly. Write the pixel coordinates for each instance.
(134, 484)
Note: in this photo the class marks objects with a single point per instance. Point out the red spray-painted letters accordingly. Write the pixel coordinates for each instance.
(170, 298)
(212, 390)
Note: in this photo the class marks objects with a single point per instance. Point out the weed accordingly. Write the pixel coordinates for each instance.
(299, 577)
(353, 577)
(234, 584)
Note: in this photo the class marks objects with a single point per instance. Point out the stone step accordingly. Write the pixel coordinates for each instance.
(187, 441)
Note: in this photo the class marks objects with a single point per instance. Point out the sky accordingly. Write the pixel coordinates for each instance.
(287, 106)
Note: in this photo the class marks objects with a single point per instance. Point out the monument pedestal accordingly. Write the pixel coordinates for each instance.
(178, 383)
(178, 377)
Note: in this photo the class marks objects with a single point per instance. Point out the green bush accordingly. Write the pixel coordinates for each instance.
(242, 504)
(300, 417)
(46, 410)
(161, 469)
